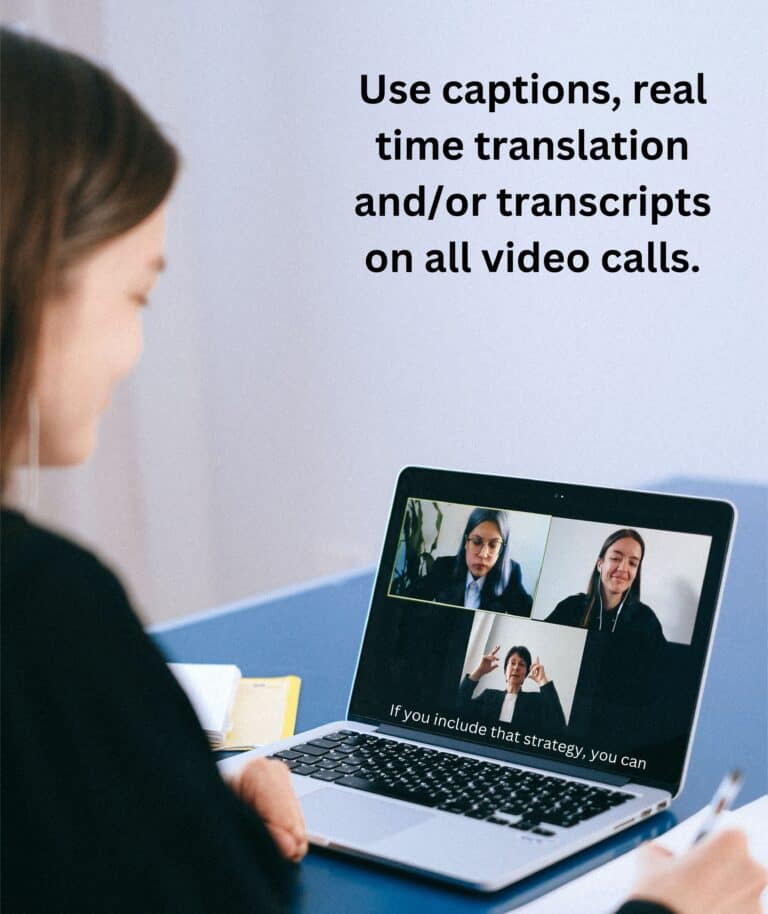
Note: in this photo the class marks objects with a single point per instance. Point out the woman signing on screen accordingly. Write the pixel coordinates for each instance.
(612, 601)
(532, 711)
(482, 574)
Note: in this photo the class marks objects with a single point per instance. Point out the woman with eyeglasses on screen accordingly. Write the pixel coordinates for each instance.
(111, 801)
(482, 574)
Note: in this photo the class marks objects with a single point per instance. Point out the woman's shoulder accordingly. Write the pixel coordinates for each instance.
(443, 565)
(24, 540)
(67, 618)
(44, 573)
(440, 573)
(568, 607)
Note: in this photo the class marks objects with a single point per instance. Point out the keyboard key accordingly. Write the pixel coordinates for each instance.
(457, 807)
(322, 743)
(309, 749)
(322, 775)
(340, 750)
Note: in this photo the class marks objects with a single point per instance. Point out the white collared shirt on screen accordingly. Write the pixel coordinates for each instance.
(472, 591)
(508, 707)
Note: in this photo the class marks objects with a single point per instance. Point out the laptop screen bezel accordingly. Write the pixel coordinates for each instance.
(684, 514)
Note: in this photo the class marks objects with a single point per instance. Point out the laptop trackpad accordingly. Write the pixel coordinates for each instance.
(358, 819)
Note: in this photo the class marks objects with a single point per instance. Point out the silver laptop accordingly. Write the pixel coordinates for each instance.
(529, 677)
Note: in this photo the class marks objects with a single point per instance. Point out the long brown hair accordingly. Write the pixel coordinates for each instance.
(80, 164)
(593, 587)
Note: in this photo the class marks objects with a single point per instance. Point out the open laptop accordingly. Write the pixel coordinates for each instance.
(529, 677)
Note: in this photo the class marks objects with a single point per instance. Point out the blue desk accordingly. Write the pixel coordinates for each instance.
(315, 631)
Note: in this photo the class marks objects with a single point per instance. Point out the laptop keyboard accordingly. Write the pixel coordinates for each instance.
(496, 793)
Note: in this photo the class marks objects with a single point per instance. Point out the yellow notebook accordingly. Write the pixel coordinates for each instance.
(264, 711)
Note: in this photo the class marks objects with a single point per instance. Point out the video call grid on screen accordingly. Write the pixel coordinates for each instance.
(417, 650)
(552, 557)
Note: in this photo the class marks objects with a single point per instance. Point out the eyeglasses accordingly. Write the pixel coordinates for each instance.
(478, 544)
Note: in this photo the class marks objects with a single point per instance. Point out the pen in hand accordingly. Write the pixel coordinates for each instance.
(723, 799)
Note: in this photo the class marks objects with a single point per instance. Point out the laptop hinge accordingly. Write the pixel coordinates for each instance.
(504, 755)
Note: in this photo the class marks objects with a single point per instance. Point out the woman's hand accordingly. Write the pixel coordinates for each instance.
(717, 876)
(487, 665)
(537, 673)
(265, 785)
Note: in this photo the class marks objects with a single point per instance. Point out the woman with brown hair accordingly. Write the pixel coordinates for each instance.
(612, 601)
(111, 800)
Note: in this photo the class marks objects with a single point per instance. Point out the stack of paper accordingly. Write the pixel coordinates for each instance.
(211, 689)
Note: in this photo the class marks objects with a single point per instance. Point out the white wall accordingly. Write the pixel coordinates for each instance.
(283, 386)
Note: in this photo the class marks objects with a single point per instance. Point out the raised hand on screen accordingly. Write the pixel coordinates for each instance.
(487, 665)
(537, 673)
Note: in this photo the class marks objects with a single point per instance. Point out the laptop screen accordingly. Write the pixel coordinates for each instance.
(565, 623)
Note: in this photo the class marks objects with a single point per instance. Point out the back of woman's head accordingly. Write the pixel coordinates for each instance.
(81, 163)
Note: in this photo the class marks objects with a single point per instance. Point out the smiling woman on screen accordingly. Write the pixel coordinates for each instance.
(111, 801)
(612, 601)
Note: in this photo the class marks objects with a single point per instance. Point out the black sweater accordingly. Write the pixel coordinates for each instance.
(111, 800)
(636, 620)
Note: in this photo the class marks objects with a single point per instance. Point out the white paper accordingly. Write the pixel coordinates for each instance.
(604, 889)
(211, 689)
